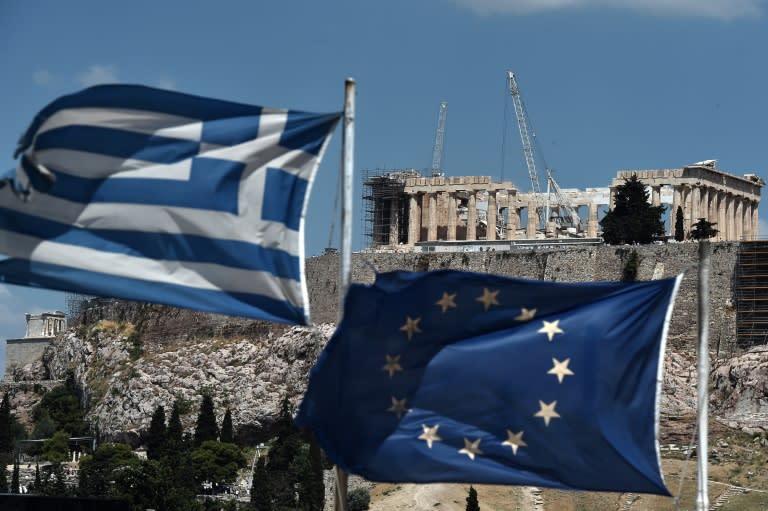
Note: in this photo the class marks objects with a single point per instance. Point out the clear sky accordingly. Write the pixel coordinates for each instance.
(609, 84)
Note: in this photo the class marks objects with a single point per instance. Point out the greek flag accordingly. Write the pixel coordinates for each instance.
(154, 195)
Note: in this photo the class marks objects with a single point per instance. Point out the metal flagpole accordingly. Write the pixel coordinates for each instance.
(702, 495)
(348, 162)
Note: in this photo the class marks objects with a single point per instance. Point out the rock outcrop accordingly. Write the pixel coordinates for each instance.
(122, 381)
(740, 392)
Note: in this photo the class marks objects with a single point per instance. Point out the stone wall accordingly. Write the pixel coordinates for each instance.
(594, 263)
(20, 352)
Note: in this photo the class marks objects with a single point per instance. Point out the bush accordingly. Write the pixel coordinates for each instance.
(359, 499)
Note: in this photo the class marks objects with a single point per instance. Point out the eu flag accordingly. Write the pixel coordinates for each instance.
(452, 376)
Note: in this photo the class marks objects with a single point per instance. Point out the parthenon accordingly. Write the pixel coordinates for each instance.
(405, 209)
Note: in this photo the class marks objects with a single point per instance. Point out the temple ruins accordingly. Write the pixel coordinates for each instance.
(405, 210)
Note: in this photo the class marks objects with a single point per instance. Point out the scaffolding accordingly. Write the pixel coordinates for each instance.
(385, 205)
(751, 293)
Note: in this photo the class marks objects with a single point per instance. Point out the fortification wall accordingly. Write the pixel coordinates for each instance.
(20, 352)
(594, 263)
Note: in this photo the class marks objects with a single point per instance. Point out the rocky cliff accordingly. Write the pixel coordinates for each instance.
(128, 357)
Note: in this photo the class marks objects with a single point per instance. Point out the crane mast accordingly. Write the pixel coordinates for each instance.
(522, 124)
(566, 214)
(437, 150)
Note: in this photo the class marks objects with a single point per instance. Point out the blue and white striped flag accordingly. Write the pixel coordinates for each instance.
(153, 195)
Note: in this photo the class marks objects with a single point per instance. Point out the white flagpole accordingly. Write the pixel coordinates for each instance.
(347, 185)
(702, 495)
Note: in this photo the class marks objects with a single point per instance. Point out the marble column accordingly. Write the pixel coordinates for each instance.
(432, 212)
(533, 221)
(739, 218)
(414, 219)
(695, 205)
(451, 234)
(491, 216)
(592, 220)
(655, 195)
(513, 218)
(394, 221)
(472, 216)
(676, 203)
(755, 220)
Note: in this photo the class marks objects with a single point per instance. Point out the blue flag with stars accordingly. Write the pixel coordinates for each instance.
(451, 376)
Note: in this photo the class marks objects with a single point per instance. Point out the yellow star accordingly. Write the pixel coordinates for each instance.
(560, 369)
(398, 407)
(471, 448)
(547, 412)
(430, 434)
(447, 301)
(488, 298)
(392, 365)
(514, 440)
(526, 314)
(411, 327)
(550, 328)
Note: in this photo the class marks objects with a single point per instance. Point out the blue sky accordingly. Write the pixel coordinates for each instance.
(609, 84)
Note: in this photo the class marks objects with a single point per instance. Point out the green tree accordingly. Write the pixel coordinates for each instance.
(472, 504)
(679, 225)
(38, 482)
(175, 431)
(156, 436)
(217, 462)
(56, 448)
(45, 427)
(703, 230)
(53, 482)
(227, 434)
(315, 485)
(633, 219)
(99, 470)
(149, 485)
(260, 495)
(63, 405)
(3, 479)
(359, 499)
(206, 428)
(6, 440)
(631, 267)
(15, 478)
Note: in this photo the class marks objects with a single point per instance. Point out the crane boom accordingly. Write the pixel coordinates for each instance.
(437, 150)
(566, 214)
(522, 124)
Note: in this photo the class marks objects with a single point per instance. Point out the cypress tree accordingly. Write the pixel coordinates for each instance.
(227, 434)
(3, 479)
(472, 504)
(260, 495)
(175, 431)
(633, 219)
(679, 226)
(315, 484)
(6, 441)
(38, 483)
(156, 436)
(206, 428)
(15, 478)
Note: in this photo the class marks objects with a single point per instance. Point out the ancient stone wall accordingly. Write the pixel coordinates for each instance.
(594, 263)
(20, 352)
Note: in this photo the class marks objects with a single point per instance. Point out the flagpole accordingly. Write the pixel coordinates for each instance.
(702, 496)
(347, 185)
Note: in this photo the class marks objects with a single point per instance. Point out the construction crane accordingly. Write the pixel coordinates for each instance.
(437, 150)
(566, 214)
